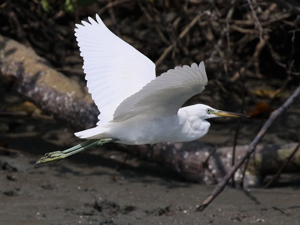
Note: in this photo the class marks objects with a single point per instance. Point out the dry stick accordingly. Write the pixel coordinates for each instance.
(283, 166)
(256, 20)
(228, 18)
(181, 35)
(219, 43)
(153, 22)
(255, 57)
(290, 6)
(249, 22)
(233, 149)
(219, 188)
(277, 92)
(19, 31)
(112, 15)
(10, 150)
(237, 131)
(111, 4)
(244, 172)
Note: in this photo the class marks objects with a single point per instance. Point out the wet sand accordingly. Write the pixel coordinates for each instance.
(80, 192)
(96, 187)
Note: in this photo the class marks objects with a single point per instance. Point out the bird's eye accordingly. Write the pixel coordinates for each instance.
(208, 111)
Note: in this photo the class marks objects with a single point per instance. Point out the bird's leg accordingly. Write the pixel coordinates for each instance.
(59, 155)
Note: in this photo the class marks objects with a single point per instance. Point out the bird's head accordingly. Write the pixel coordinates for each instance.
(207, 112)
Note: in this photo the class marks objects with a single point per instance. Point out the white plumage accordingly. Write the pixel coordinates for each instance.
(122, 80)
(114, 69)
(136, 107)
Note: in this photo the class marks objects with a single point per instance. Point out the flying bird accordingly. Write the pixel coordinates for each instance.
(136, 106)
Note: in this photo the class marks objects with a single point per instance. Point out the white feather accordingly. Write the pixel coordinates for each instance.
(114, 69)
(165, 95)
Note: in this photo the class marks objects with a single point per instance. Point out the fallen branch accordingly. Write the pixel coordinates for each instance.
(203, 163)
(50, 90)
(219, 188)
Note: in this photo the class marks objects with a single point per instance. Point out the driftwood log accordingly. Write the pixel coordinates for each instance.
(200, 162)
(50, 90)
(54, 93)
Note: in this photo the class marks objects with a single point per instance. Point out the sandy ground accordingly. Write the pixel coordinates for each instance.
(96, 187)
(87, 193)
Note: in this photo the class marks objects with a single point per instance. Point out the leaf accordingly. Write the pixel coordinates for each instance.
(69, 7)
(45, 5)
(262, 110)
(267, 93)
(26, 107)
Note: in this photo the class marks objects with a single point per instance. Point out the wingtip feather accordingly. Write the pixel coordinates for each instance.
(202, 65)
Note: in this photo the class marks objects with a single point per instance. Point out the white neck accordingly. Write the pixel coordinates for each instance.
(194, 127)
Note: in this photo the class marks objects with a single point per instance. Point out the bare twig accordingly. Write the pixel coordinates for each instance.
(224, 34)
(111, 4)
(283, 166)
(219, 43)
(244, 172)
(14, 151)
(293, 7)
(181, 35)
(249, 22)
(220, 187)
(255, 57)
(256, 20)
(164, 54)
(154, 23)
(237, 133)
(19, 30)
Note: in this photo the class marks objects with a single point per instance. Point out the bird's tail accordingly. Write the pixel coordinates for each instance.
(93, 133)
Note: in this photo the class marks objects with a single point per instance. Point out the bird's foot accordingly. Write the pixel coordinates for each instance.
(59, 155)
(52, 157)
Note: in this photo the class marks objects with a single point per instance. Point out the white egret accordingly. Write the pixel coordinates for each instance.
(136, 106)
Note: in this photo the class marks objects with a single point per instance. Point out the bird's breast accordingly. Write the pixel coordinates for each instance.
(195, 128)
(147, 130)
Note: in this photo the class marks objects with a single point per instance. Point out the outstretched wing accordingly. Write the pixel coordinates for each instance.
(164, 95)
(114, 69)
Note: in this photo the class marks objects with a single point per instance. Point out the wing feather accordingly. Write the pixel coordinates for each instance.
(164, 95)
(114, 69)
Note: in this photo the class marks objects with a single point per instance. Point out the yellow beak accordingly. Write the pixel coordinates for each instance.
(229, 114)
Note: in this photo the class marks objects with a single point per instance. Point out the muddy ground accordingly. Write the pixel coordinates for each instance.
(96, 187)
